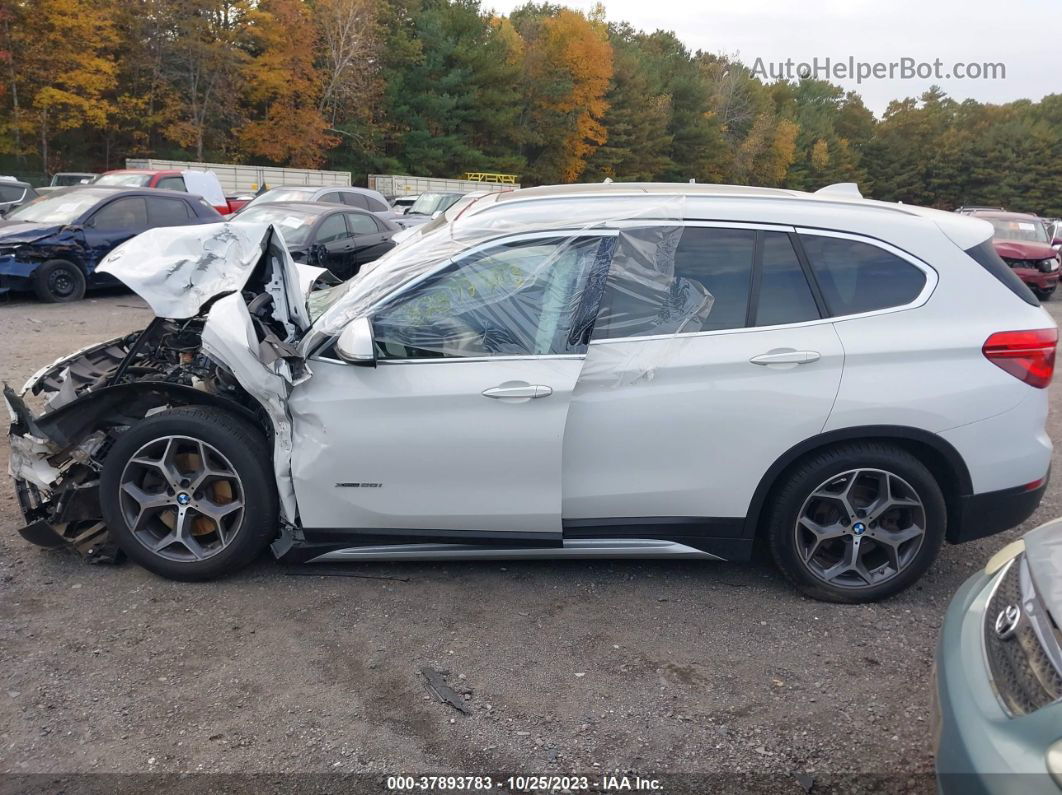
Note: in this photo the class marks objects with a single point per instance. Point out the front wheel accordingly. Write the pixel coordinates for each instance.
(857, 523)
(59, 282)
(1044, 294)
(189, 493)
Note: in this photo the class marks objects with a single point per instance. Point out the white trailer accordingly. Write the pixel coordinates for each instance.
(237, 179)
(394, 186)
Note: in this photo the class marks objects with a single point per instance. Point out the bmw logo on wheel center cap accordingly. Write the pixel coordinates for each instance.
(183, 499)
(859, 528)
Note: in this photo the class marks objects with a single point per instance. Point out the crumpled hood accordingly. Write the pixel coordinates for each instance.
(1017, 249)
(12, 232)
(178, 270)
(1043, 553)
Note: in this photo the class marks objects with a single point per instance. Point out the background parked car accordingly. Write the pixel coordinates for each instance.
(52, 245)
(403, 203)
(360, 198)
(194, 181)
(65, 179)
(1021, 241)
(14, 193)
(331, 236)
(427, 204)
(999, 674)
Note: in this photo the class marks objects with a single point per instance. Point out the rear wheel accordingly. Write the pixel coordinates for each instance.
(189, 494)
(857, 523)
(58, 282)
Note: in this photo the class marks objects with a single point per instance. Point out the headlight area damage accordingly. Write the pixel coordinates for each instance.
(229, 304)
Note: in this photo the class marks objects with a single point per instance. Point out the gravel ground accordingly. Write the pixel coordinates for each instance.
(656, 667)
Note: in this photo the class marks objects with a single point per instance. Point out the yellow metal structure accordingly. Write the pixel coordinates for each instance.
(486, 176)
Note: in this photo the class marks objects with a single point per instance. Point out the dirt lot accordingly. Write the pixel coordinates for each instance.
(654, 667)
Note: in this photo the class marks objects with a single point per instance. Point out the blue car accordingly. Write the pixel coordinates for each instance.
(52, 245)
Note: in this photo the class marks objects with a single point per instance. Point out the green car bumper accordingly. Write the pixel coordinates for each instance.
(980, 749)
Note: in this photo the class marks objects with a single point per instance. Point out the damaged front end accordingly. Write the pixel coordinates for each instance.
(229, 304)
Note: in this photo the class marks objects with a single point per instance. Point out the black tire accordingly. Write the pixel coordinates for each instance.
(243, 448)
(58, 281)
(1044, 295)
(792, 496)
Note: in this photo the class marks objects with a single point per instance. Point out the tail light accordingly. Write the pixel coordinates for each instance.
(1029, 356)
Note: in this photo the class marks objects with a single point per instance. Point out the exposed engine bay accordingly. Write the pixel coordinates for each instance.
(89, 399)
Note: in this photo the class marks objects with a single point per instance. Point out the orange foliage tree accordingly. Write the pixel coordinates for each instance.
(285, 86)
(567, 66)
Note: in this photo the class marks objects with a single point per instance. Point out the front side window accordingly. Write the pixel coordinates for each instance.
(859, 277)
(331, 198)
(517, 299)
(11, 193)
(121, 214)
(672, 280)
(331, 229)
(355, 200)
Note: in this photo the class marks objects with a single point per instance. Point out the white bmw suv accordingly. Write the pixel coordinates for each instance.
(579, 371)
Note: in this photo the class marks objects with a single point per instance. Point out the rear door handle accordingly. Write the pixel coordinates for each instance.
(788, 356)
(525, 391)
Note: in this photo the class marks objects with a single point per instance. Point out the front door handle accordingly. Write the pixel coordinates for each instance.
(518, 391)
(786, 356)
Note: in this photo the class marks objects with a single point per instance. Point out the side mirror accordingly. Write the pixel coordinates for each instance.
(298, 256)
(355, 342)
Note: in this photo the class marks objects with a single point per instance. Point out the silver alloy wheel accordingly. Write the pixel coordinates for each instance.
(181, 498)
(860, 528)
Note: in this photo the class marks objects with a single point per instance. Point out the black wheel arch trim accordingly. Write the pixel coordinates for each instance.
(955, 463)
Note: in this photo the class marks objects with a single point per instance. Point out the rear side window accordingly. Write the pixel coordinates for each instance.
(708, 291)
(168, 212)
(985, 255)
(11, 193)
(171, 183)
(785, 296)
(858, 277)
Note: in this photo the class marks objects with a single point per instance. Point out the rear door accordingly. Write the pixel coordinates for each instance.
(166, 211)
(704, 368)
(371, 239)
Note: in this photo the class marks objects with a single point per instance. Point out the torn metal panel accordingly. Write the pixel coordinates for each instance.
(229, 338)
(29, 462)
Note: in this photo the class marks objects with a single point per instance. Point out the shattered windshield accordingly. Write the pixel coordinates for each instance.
(57, 208)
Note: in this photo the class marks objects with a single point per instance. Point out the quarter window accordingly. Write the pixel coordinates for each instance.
(516, 299)
(858, 277)
(703, 286)
(785, 296)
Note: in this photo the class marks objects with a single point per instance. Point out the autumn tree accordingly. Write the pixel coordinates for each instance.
(567, 69)
(60, 71)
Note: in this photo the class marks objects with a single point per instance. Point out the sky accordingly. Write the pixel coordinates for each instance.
(1024, 35)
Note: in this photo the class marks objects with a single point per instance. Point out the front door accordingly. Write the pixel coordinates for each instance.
(457, 433)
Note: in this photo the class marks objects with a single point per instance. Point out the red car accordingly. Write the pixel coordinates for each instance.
(200, 183)
(1022, 242)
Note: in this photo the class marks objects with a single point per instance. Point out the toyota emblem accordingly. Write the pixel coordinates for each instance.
(1007, 621)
